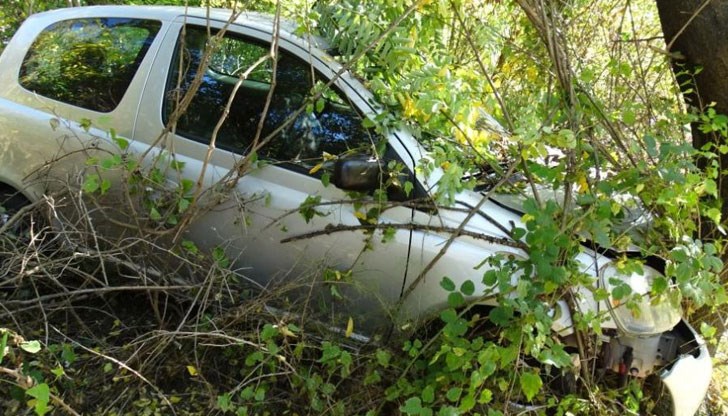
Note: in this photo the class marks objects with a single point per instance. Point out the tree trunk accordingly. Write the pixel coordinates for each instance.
(696, 35)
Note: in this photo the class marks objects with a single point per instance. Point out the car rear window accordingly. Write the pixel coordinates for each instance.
(88, 63)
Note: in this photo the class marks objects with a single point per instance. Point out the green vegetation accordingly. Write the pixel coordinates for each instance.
(590, 112)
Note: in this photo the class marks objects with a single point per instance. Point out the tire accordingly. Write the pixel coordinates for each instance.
(11, 202)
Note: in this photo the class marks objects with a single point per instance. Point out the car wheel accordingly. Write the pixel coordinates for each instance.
(11, 202)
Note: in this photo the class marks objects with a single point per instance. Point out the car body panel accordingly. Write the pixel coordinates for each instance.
(688, 379)
(251, 223)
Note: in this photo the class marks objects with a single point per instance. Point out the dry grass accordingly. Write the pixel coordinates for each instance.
(129, 327)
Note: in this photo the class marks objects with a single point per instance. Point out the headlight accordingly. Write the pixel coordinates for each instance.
(641, 317)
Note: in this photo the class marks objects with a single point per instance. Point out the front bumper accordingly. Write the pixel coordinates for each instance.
(689, 377)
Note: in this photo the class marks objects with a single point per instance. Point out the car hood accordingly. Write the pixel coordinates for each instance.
(634, 219)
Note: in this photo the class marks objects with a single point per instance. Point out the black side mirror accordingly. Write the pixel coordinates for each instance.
(361, 174)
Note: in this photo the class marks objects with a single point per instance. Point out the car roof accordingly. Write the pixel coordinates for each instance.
(253, 19)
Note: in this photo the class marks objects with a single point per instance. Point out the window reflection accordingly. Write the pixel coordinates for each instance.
(88, 63)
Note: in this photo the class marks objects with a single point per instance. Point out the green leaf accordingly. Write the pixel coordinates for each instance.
(40, 392)
(58, 372)
(187, 185)
(447, 284)
(388, 234)
(326, 179)
(485, 396)
(490, 278)
(714, 214)
(372, 378)
(518, 233)
(3, 345)
(449, 411)
(183, 205)
(448, 316)
(154, 214)
(308, 210)
(383, 358)
(467, 288)
(530, 384)
(259, 394)
(500, 315)
(177, 165)
(67, 354)
(269, 332)
(628, 117)
(253, 359)
(601, 294)
(218, 254)
(91, 184)
(455, 300)
(467, 403)
(85, 124)
(247, 393)
(428, 394)
(408, 187)
(621, 291)
(708, 331)
(456, 328)
(105, 186)
(122, 143)
(190, 247)
(587, 75)
(367, 123)
(108, 163)
(224, 402)
(566, 139)
(30, 346)
(413, 406)
(659, 285)
(454, 394)
(711, 188)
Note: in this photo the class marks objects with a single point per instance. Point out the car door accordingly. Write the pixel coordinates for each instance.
(282, 224)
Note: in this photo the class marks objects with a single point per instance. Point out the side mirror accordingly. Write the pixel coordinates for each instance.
(357, 174)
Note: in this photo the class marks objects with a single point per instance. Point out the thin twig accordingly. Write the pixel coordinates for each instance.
(122, 365)
(98, 290)
(330, 229)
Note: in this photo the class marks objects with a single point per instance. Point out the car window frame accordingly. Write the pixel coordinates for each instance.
(290, 165)
(400, 144)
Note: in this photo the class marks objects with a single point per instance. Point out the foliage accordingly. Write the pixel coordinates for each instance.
(14, 12)
(17, 362)
(594, 124)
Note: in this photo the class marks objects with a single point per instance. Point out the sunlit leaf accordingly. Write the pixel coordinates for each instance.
(30, 346)
(530, 384)
(349, 327)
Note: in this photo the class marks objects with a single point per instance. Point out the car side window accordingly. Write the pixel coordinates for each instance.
(88, 63)
(304, 130)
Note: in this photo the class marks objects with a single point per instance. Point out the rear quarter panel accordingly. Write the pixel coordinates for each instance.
(41, 140)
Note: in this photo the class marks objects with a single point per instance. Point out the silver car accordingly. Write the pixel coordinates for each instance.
(72, 76)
